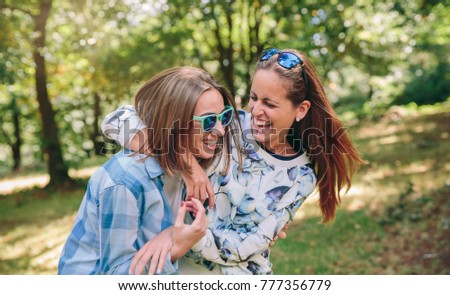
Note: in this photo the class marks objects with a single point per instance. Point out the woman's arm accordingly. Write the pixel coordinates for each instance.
(122, 125)
(230, 246)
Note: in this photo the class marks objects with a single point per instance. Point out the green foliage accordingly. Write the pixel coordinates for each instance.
(370, 54)
(427, 86)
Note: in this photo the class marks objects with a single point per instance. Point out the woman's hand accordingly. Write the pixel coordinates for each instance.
(282, 235)
(187, 235)
(197, 183)
(154, 251)
(177, 240)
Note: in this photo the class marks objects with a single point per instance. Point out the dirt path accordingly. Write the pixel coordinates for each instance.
(10, 185)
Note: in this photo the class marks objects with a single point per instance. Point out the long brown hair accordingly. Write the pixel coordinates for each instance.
(320, 133)
(166, 105)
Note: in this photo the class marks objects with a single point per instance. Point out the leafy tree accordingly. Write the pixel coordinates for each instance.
(8, 77)
(52, 148)
(428, 79)
(225, 36)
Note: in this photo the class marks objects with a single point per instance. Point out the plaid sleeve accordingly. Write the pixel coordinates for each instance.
(119, 221)
(121, 230)
(122, 124)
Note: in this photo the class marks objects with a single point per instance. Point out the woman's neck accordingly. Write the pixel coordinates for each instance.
(280, 149)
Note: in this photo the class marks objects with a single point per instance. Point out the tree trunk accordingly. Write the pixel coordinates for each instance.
(52, 148)
(96, 137)
(225, 51)
(15, 147)
(13, 141)
(254, 19)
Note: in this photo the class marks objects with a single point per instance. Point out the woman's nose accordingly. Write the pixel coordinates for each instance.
(219, 130)
(256, 109)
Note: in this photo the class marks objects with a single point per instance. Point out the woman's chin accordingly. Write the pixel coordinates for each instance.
(260, 137)
(205, 154)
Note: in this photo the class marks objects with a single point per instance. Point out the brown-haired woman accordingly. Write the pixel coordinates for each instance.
(289, 79)
(292, 142)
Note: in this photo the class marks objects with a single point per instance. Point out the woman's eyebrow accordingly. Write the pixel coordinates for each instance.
(211, 113)
(271, 100)
(265, 98)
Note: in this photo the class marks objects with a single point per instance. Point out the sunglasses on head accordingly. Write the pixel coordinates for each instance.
(287, 60)
(210, 121)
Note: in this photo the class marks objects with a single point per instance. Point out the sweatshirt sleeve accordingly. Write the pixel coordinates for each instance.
(231, 245)
(122, 125)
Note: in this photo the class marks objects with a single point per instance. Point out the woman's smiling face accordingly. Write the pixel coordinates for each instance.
(204, 144)
(272, 112)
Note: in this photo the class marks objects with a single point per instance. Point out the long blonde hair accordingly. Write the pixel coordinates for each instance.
(166, 105)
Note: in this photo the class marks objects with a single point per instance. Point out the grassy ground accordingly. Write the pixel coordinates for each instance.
(396, 217)
(33, 228)
(394, 220)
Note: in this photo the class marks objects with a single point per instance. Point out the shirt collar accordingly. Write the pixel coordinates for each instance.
(152, 165)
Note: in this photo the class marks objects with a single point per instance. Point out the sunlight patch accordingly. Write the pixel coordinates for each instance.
(9, 186)
(42, 245)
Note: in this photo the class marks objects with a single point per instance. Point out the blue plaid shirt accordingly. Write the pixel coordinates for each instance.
(123, 208)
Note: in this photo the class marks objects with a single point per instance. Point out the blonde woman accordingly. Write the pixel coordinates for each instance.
(131, 214)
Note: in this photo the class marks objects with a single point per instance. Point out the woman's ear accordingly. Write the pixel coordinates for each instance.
(302, 110)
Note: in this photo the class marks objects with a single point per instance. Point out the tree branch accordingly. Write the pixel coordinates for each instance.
(7, 6)
(216, 31)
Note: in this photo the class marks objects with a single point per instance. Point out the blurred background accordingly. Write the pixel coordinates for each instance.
(386, 67)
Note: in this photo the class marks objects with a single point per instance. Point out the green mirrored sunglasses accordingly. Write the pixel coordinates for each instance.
(210, 121)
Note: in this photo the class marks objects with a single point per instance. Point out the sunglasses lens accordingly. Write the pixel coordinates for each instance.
(226, 117)
(268, 54)
(288, 60)
(209, 123)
